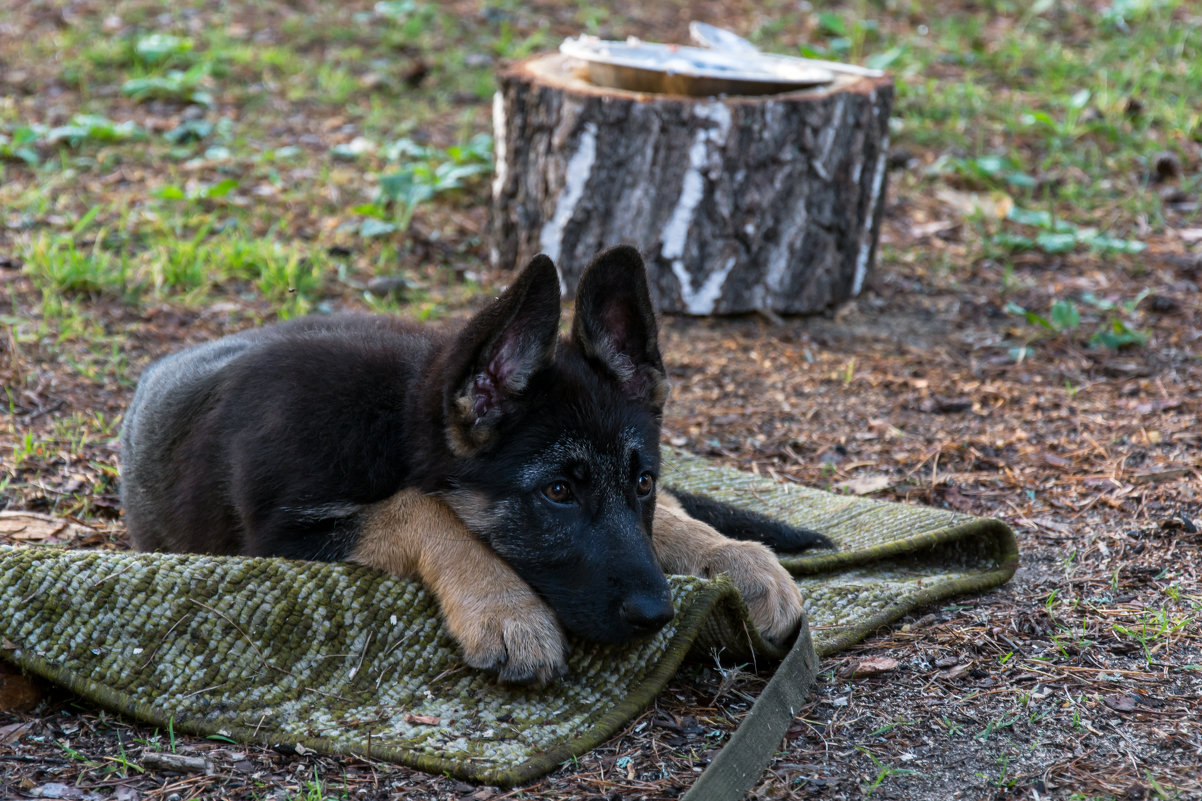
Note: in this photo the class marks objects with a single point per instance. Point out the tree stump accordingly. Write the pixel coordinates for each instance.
(737, 203)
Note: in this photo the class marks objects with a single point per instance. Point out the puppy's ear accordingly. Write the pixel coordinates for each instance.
(496, 354)
(615, 325)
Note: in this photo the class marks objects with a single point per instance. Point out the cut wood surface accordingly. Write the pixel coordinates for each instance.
(738, 203)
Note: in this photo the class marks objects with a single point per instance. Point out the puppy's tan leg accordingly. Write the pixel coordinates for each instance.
(686, 545)
(499, 622)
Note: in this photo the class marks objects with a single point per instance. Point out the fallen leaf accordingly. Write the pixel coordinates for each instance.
(923, 230)
(483, 794)
(1119, 703)
(868, 666)
(423, 720)
(993, 206)
(1056, 461)
(13, 731)
(952, 496)
(955, 672)
(56, 790)
(1159, 476)
(1158, 405)
(865, 485)
(34, 527)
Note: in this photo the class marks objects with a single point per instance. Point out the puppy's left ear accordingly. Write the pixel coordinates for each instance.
(495, 355)
(615, 325)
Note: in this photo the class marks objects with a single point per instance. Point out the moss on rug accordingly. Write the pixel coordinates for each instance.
(348, 660)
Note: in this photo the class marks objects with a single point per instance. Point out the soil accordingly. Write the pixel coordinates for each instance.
(1080, 678)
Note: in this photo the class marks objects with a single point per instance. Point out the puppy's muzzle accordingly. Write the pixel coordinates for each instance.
(647, 614)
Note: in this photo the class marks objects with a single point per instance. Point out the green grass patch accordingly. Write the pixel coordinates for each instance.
(28, 143)
(423, 173)
(60, 265)
(1060, 110)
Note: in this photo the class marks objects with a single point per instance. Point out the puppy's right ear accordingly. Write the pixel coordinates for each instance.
(496, 354)
(615, 325)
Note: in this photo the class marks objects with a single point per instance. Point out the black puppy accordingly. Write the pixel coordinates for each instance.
(356, 437)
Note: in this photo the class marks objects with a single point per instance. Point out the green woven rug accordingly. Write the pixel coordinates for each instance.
(348, 660)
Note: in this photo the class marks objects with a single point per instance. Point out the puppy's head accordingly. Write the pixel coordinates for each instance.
(557, 444)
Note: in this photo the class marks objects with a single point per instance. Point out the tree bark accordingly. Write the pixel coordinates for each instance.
(737, 203)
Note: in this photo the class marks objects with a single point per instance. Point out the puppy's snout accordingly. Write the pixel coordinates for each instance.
(647, 614)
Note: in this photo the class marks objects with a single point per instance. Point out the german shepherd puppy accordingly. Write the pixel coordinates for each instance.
(515, 473)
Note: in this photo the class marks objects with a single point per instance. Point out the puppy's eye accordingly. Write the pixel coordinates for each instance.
(558, 491)
(645, 485)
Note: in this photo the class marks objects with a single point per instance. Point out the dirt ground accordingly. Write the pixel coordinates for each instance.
(1081, 678)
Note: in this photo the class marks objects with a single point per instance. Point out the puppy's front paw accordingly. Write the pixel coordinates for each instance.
(514, 635)
(769, 591)
(500, 624)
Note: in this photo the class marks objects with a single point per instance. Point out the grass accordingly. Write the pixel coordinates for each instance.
(1060, 94)
(315, 790)
(423, 173)
(273, 164)
(1076, 123)
(166, 264)
(883, 772)
(61, 265)
(1154, 630)
(1062, 99)
(1111, 328)
(996, 725)
(888, 727)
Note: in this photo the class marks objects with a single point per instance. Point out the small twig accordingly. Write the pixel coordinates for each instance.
(142, 666)
(226, 618)
(100, 581)
(448, 672)
(178, 762)
(203, 690)
(362, 655)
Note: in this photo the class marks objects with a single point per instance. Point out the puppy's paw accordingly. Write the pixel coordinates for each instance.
(769, 591)
(515, 636)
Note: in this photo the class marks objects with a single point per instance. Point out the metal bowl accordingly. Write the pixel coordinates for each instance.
(698, 72)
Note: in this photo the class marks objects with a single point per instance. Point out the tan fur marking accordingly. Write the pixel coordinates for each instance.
(470, 507)
(499, 622)
(685, 545)
(464, 437)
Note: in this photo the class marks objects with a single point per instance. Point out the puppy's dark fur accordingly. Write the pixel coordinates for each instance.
(349, 437)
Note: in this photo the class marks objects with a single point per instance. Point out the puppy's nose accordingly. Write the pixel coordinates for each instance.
(647, 614)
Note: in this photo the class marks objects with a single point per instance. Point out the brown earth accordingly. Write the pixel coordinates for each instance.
(1081, 678)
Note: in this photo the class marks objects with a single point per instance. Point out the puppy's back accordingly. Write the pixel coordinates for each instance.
(178, 446)
(171, 393)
